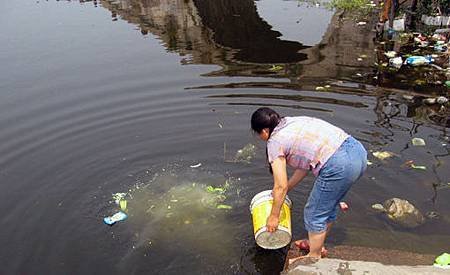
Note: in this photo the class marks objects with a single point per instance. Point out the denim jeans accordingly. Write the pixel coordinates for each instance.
(335, 178)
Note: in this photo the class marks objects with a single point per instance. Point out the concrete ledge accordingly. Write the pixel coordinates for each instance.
(343, 267)
(362, 260)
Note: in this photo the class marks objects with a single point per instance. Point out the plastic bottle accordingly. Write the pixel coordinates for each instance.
(418, 60)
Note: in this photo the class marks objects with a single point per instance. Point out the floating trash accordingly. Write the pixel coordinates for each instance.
(436, 100)
(418, 167)
(382, 154)
(117, 197)
(418, 142)
(119, 216)
(276, 68)
(418, 60)
(224, 206)
(396, 62)
(378, 207)
(401, 212)
(432, 215)
(211, 189)
(196, 165)
(390, 54)
(245, 154)
(410, 163)
(442, 261)
(123, 205)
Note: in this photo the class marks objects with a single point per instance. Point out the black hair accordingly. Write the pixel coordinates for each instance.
(263, 118)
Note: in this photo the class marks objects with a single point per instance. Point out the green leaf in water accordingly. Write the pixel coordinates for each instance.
(276, 68)
(224, 206)
(215, 190)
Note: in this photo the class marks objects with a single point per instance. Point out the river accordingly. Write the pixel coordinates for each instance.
(153, 98)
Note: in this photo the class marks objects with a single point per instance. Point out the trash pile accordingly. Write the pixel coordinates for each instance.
(416, 60)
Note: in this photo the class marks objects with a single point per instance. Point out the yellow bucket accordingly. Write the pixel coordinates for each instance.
(260, 207)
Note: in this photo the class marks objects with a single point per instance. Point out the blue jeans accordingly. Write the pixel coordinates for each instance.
(335, 178)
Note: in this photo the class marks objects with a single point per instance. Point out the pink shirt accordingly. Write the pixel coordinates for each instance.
(306, 142)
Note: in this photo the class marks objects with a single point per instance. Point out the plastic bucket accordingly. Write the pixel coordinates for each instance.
(260, 207)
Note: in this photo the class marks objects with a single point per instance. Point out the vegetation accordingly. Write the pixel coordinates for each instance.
(431, 7)
(351, 5)
(363, 6)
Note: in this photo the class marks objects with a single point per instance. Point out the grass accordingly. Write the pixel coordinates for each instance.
(351, 5)
(363, 6)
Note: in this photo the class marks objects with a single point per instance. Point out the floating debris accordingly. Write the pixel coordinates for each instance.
(119, 216)
(382, 154)
(410, 163)
(276, 68)
(432, 215)
(224, 206)
(196, 165)
(418, 167)
(245, 154)
(117, 197)
(218, 190)
(396, 62)
(419, 60)
(390, 54)
(436, 100)
(401, 212)
(442, 261)
(378, 207)
(123, 205)
(418, 142)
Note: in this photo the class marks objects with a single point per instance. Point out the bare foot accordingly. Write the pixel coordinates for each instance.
(304, 245)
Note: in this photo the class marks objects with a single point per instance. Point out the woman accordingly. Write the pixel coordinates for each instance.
(309, 144)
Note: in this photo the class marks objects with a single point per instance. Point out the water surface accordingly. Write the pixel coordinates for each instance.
(125, 96)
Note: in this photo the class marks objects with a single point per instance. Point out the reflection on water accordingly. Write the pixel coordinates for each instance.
(205, 29)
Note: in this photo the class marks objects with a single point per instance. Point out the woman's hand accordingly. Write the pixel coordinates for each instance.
(272, 223)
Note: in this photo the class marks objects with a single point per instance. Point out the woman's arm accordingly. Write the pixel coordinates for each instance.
(298, 176)
(280, 188)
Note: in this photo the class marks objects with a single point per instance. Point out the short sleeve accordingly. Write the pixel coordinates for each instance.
(274, 150)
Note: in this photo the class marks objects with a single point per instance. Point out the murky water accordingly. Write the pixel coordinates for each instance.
(125, 96)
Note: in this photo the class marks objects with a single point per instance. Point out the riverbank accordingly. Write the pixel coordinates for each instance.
(344, 259)
(349, 259)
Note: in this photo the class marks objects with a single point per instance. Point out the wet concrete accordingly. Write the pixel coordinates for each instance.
(345, 259)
